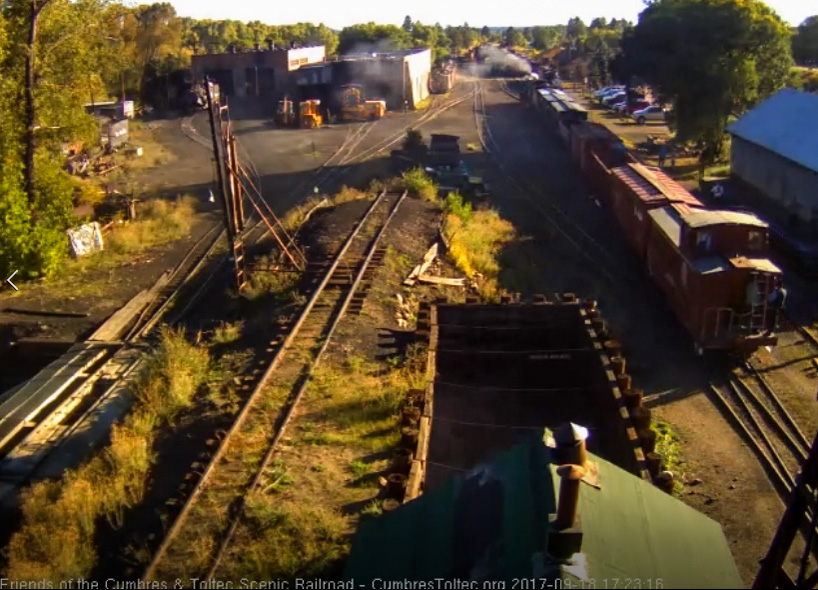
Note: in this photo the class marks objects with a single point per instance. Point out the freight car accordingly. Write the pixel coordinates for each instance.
(712, 266)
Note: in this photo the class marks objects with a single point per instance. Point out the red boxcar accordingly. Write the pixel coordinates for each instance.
(708, 263)
(637, 189)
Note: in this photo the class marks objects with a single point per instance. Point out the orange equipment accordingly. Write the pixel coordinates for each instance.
(309, 117)
(355, 108)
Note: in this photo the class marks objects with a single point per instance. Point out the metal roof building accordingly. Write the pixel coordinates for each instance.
(494, 523)
(775, 150)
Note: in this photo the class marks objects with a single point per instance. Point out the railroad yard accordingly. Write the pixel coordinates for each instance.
(306, 376)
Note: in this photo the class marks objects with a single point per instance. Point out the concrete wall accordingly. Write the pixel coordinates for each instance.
(419, 69)
(779, 179)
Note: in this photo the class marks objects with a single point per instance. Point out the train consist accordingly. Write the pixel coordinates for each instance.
(712, 266)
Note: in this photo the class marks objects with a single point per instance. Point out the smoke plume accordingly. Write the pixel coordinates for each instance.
(503, 63)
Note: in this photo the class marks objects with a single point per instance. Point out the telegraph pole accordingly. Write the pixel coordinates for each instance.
(218, 154)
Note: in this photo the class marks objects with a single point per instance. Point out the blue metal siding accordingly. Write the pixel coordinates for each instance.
(780, 179)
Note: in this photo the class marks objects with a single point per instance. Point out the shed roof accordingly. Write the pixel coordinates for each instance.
(491, 524)
(785, 124)
(647, 184)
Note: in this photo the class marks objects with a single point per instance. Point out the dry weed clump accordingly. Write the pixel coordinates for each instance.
(56, 539)
(158, 222)
(475, 239)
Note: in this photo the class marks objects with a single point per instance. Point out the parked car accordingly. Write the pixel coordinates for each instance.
(609, 94)
(607, 90)
(637, 105)
(614, 98)
(652, 113)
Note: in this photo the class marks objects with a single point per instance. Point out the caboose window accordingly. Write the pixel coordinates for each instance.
(756, 240)
(703, 240)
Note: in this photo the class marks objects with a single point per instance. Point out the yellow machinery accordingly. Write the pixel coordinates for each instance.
(355, 108)
(309, 117)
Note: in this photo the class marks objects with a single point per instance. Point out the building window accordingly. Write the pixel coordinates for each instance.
(756, 240)
(703, 241)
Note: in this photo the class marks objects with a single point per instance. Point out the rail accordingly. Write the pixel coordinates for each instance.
(167, 545)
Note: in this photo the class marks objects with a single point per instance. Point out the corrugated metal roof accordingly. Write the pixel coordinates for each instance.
(785, 124)
(760, 264)
(669, 221)
(637, 178)
(491, 524)
(705, 218)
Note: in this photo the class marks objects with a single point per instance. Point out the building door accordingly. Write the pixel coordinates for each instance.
(224, 78)
(266, 81)
(251, 81)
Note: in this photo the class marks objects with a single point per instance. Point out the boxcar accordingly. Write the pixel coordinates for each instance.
(637, 189)
(706, 263)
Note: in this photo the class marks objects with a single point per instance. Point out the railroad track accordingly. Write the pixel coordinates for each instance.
(212, 511)
(41, 421)
(597, 254)
(766, 425)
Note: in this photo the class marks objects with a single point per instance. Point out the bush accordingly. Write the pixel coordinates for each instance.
(416, 181)
(34, 244)
(413, 141)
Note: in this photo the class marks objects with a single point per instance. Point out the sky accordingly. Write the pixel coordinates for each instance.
(520, 13)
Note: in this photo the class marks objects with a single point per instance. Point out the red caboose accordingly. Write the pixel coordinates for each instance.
(714, 270)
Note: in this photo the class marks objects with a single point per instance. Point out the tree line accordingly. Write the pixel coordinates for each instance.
(56, 55)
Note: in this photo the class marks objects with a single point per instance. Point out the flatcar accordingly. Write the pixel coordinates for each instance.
(712, 266)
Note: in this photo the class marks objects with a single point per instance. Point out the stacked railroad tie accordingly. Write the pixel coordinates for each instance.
(631, 406)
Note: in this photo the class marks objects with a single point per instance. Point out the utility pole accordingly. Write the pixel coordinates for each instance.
(231, 206)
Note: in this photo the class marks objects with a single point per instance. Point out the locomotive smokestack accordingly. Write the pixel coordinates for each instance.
(568, 503)
(565, 536)
(270, 45)
(256, 47)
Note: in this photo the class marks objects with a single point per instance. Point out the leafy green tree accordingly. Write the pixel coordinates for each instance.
(805, 42)
(407, 24)
(485, 32)
(514, 37)
(371, 35)
(712, 59)
(576, 29)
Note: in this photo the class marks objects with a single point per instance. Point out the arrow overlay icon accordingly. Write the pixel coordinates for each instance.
(8, 280)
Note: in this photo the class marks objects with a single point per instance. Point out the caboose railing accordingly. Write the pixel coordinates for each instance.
(718, 321)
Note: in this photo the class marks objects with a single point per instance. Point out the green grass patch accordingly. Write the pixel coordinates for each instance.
(349, 420)
(476, 239)
(417, 182)
(668, 445)
(56, 539)
(227, 332)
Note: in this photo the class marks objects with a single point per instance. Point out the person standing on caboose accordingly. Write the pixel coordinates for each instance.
(775, 303)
